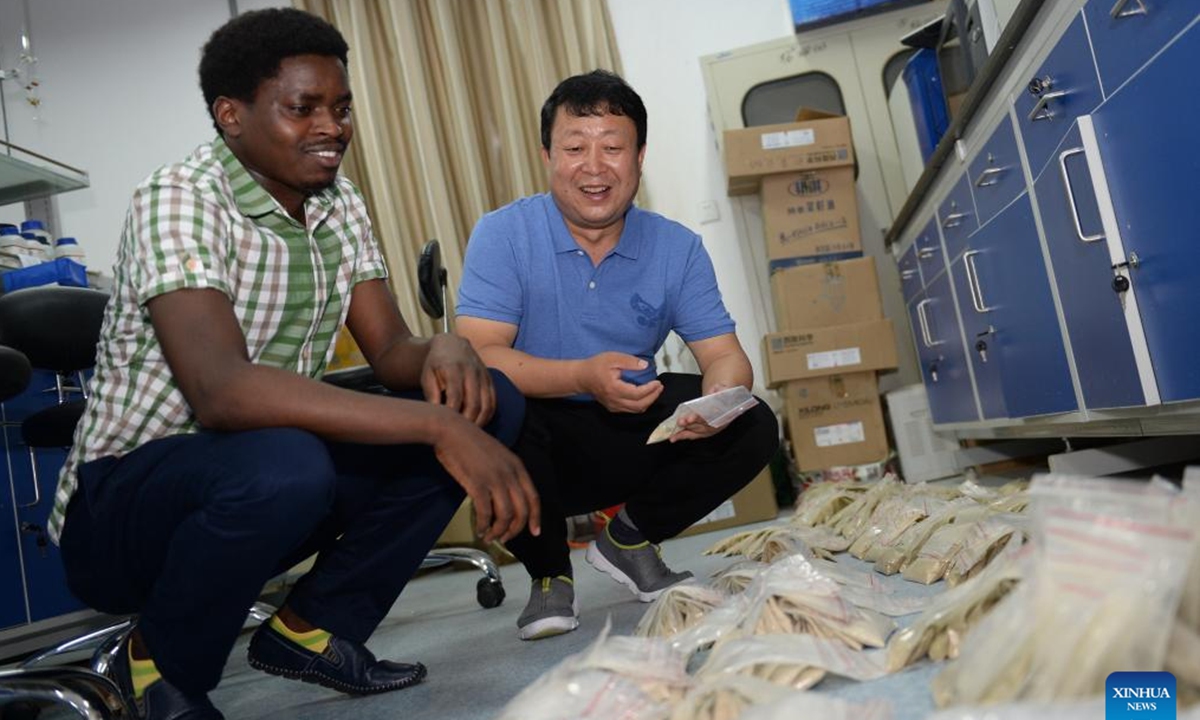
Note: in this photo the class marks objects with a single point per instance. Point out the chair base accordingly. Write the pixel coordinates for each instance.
(90, 694)
(489, 591)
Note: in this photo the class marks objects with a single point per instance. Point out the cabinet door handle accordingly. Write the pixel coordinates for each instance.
(926, 336)
(908, 274)
(1041, 111)
(1118, 9)
(927, 252)
(1066, 178)
(983, 181)
(973, 282)
(953, 220)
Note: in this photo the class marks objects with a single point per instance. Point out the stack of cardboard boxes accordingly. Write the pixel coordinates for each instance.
(832, 336)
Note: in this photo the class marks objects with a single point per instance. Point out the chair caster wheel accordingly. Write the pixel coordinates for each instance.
(489, 592)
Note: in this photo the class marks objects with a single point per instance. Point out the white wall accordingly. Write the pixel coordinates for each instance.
(120, 97)
(661, 43)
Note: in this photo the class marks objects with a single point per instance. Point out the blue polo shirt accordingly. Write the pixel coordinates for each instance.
(524, 268)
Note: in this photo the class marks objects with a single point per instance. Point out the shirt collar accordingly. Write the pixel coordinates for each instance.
(628, 246)
(252, 199)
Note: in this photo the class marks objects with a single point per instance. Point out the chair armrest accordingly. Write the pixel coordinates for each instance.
(361, 379)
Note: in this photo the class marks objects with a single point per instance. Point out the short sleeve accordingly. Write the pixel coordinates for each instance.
(178, 238)
(700, 313)
(491, 286)
(371, 263)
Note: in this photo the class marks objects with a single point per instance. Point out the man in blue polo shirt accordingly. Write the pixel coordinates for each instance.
(571, 295)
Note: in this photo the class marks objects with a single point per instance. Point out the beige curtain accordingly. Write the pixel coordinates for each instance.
(447, 95)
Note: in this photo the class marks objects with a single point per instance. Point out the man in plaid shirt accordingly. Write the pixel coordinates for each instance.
(211, 456)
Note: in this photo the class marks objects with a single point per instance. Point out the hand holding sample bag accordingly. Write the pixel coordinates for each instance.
(718, 410)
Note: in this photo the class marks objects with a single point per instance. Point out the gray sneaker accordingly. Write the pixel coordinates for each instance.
(638, 567)
(552, 609)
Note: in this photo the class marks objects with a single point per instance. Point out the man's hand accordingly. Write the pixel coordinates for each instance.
(454, 376)
(693, 427)
(494, 478)
(600, 376)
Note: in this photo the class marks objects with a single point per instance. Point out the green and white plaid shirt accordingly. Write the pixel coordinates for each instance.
(206, 223)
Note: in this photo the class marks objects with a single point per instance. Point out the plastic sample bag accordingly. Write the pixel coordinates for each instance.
(718, 410)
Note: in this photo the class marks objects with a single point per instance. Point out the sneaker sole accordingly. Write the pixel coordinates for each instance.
(550, 626)
(597, 560)
(547, 627)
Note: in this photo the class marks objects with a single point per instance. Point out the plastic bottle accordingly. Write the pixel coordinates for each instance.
(68, 247)
(12, 245)
(37, 240)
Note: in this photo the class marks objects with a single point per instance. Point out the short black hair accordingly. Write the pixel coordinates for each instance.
(599, 92)
(248, 49)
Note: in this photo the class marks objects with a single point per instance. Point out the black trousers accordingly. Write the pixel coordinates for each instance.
(584, 458)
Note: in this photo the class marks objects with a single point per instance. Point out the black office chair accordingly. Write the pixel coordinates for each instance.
(431, 293)
(15, 372)
(56, 328)
(431, 283)
(24, 690)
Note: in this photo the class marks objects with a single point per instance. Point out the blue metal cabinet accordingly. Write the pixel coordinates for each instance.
(910, 273)
(43, 578)
(980, 336)
(957, 217)
(995, 173)
(1126, 33)
(1010, 281)
(12, 583)
(1066, 87)
(930, 257)
(1151, 157)
(943, 362)
(1100, 341)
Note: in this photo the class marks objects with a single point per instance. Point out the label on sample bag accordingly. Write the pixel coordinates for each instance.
(1141, 695)
(840, 434)
(788, 138)
(834, 358)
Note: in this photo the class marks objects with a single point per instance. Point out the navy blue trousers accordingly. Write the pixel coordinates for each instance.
(185, 531)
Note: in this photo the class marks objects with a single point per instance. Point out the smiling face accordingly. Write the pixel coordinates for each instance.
(293, 136)
(595, 167)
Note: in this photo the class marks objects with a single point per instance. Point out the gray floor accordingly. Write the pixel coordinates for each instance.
(477, 664)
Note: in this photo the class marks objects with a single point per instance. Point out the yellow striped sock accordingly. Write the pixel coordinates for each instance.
(142, 673)
(313, 640)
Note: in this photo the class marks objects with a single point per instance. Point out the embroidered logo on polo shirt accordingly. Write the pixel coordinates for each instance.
(647, 314)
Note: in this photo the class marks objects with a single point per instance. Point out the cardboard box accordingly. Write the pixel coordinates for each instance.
(824, 294)
(753, 503)
(810, 217)
(839, 349)
(817, 140)
(835, 420)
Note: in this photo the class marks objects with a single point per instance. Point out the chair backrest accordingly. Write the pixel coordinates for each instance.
(14, 372)
(431, 280)
(56, 327)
